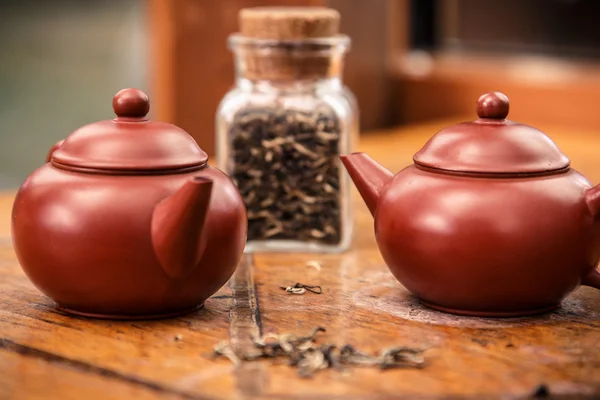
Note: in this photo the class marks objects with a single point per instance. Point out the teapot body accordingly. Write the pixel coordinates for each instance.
(84, 240)
(487, 245)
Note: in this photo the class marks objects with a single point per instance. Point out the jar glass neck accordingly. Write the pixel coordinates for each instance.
(282, 86)
(288, 65)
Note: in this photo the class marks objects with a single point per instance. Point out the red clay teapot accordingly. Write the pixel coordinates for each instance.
(127, 219)
(489, 220)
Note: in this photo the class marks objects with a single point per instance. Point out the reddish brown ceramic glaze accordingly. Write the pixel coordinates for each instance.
(127, 220)
(490, 220)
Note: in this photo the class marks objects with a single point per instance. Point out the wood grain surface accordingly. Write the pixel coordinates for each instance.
(46, 354)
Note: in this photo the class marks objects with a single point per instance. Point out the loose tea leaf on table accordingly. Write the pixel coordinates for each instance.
(304, 354)
(314, 264)
(300, 288)
(285, 163)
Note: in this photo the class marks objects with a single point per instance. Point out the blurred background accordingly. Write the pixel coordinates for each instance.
(61, 61)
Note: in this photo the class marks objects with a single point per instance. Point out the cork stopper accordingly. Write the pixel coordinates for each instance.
(289, 23)
(297, 28)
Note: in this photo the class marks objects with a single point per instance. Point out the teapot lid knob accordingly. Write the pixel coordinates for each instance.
(493, 105)
(131, 103)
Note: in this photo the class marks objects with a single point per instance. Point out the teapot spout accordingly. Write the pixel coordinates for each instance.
(368, 176)
(177, 227)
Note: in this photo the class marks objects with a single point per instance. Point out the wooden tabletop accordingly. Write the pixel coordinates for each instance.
(45, 354)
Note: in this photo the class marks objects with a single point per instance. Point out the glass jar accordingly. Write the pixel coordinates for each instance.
(280, 132)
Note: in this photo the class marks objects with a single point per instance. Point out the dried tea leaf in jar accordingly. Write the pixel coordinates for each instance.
(285, 163)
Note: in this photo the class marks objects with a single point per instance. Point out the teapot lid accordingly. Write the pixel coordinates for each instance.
(130, 142)
(491, 144)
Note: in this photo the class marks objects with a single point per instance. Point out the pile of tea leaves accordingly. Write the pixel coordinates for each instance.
(303, 353)
(286, 167)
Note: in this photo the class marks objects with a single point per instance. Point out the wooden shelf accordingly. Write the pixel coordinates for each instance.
(543, 90)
